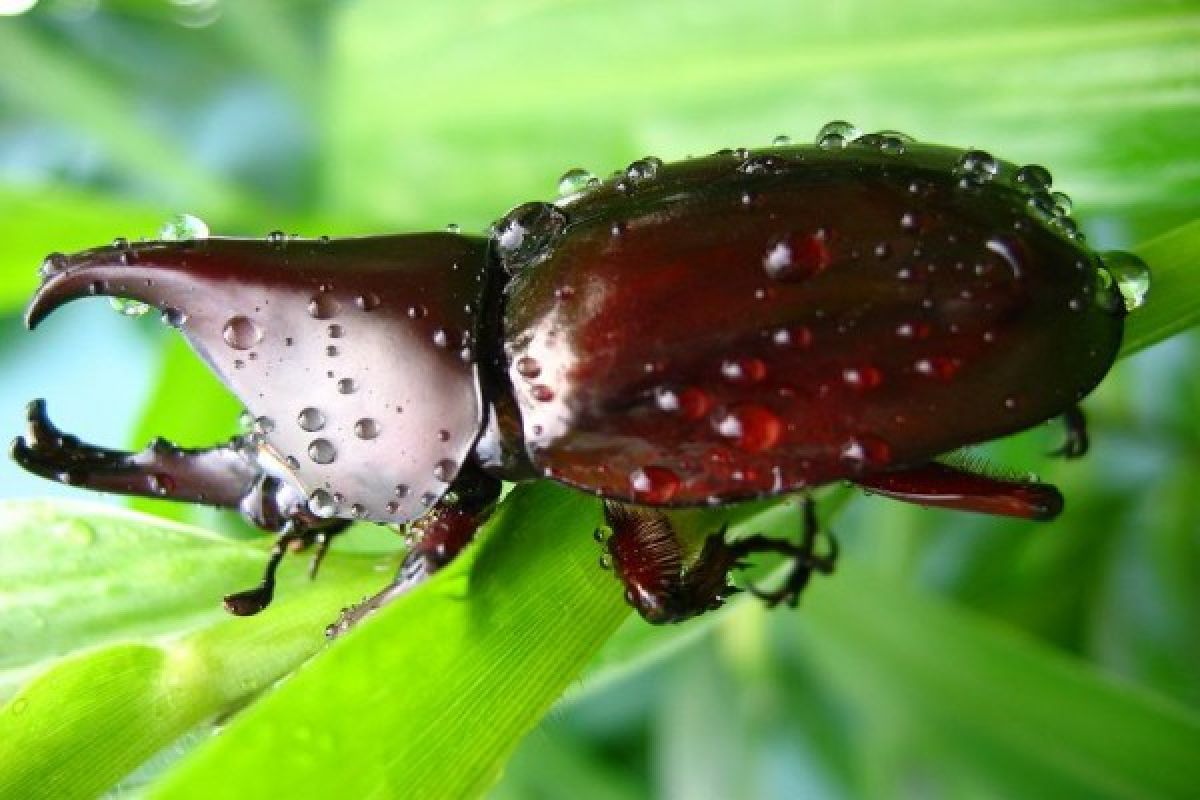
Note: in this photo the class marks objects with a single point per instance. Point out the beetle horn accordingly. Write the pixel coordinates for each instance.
(320, 340)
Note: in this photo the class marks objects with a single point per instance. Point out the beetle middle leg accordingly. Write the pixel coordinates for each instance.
(647, 556)
(437, 538)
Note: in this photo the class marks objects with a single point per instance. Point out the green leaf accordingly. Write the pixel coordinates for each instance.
(89, 577)
(1104, 96)
(432, 695)
(995, 695)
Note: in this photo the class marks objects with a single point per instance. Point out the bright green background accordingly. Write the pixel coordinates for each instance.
(951, 656)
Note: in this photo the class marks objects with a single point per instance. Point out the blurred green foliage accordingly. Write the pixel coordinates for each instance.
(952, 656)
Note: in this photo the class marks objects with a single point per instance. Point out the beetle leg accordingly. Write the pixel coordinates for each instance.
(437, 538)
(1076, 443)
(944, 486)
(648, 558)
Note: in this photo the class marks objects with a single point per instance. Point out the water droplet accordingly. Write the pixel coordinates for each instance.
(402, 491)
(653, 484)
(347, 386)
(53, 264)
(417, 312)
(335, 331)
(292, 462)
(666, 400)
(331, 350)
(445, 470)
(322, 451)
(367, 301)
(752, 427)
(643, 169)
(835, 135)
(909, 221)
(1034, 177)
(1062, 204)
(263, 425)
(311, 419)
(241, 333)
(542, 393)
(366, 428)
(528, 367)
(865, 452)
(1131, 275)
(940, 367)
(575, 180)
(183, 227)
(796, 257)
(392, 507)
(173, 317)
(862, 378)
(321, 503)
(978, 165)
(913, 330)
(743, 370)
(782, 140)
(323, 306)
(526, 233)
(694, 403)
(277, 238)
(128, 307)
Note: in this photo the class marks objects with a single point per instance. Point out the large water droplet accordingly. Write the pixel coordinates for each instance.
(978, 165)
(643, 169)
(311, 419)
(183, 227)
(528, 367)
(524, 234)
(835, 135)
(241, 333)
(1034, 177)
(653, 484)
(1131, 275)
(575, 180)
(322, 451)
(752, 427)
(321, 503)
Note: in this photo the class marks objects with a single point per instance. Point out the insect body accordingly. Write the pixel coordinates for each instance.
(726, 328)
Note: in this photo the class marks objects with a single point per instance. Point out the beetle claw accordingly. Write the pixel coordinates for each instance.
(1075, 445)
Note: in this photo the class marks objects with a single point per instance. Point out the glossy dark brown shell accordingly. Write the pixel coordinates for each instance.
(663, 349)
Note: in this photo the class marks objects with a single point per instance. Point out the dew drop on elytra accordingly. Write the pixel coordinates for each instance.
(1131, 275)
(575, 180)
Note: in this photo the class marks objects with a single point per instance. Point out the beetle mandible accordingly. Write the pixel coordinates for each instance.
(738, 326)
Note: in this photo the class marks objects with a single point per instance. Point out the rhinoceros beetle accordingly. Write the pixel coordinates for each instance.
(738, 326)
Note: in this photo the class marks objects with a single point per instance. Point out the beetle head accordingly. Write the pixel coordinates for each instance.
(356, 356)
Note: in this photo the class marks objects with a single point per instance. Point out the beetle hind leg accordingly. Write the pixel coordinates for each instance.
(1075, 445)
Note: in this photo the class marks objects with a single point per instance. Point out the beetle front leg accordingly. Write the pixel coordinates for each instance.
(437, 539)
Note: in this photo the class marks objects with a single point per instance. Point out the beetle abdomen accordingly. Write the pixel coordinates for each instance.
(753, 323)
